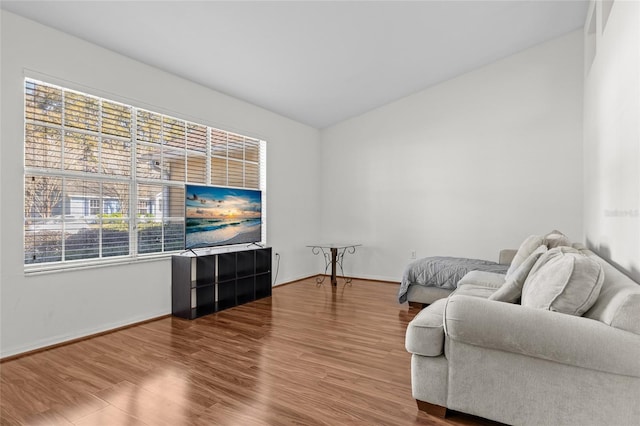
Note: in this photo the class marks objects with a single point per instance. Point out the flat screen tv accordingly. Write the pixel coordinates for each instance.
(217, 216)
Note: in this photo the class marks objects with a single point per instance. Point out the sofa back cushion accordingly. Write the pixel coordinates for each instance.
(555, 239)
(528, 246)
(618, 304)
(563, 280)
(511, 290)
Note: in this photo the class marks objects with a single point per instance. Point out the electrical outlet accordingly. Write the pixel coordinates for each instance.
(413, 254)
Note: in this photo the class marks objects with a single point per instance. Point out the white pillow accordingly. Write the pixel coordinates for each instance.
(555, 239)
(528, 246)
(511, 290)
(563, 280)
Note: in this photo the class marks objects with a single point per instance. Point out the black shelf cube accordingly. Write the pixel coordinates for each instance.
(207, 283)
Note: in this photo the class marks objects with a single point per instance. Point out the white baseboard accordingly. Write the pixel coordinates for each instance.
(81, 334)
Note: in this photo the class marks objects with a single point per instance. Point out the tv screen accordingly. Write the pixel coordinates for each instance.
(216, 216)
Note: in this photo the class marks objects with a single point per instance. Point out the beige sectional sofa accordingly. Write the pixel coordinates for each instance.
(525, 365)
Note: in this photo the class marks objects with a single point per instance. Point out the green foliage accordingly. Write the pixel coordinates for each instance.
(110, 215)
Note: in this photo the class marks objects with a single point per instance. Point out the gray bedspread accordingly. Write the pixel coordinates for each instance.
(443, 272)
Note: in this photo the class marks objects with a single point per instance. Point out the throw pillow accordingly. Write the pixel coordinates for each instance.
(555, 239)
(563, 280)
(627, 314)
(511, 290)
(528, 246)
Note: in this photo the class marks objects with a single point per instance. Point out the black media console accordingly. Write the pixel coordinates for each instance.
(206, 283)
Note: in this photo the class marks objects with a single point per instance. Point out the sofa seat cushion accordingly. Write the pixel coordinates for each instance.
(475, 290)
(482, 278)
(425, 333)
(563, 280)
(425, 294)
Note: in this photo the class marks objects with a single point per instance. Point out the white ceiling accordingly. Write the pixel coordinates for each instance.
(316, 62)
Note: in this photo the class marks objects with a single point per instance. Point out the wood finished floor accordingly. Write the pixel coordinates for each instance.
(308, 355)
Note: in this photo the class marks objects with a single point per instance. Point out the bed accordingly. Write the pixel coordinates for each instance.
(433, 278)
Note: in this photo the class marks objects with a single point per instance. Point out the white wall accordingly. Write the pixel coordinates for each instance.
(46, 309)
(464, 168)
(612, 137)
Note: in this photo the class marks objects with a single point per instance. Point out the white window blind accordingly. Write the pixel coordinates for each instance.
(88, 160)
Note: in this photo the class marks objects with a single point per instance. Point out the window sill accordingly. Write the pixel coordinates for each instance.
(43, 268)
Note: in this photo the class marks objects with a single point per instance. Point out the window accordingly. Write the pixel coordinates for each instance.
(88, 159)
(94, 207)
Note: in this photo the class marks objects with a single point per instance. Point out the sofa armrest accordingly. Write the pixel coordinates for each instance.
(506, 256)
(537, 333)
